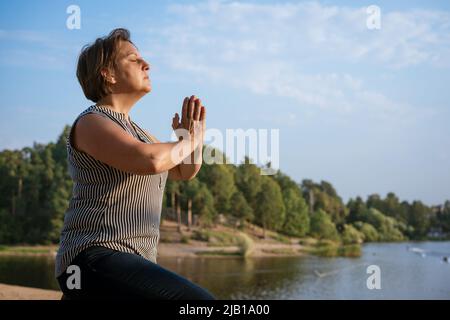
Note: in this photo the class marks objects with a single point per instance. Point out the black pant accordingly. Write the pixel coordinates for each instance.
(111, 274)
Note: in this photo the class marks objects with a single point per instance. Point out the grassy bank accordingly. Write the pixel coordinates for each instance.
(328, 248)
(28, 249)
(221, 241)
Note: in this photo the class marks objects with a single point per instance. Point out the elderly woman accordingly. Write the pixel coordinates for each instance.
(108, 244)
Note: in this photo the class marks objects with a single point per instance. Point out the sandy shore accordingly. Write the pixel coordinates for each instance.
(9, 292)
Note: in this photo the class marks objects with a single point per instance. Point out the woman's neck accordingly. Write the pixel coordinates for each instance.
(118, 102)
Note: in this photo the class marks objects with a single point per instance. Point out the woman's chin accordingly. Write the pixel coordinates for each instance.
(147, 89)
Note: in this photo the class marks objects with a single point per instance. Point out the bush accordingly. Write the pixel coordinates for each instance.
(246, 244)
(369, 232)
(351, 236)
(322, 227)
(387, 227)
(352, 250)
(200, 235)
(184, 239)
(327, 248)
(281, 238)
(216, 238)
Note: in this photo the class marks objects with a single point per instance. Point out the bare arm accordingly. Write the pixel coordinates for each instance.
(108, 142)
(179, 171)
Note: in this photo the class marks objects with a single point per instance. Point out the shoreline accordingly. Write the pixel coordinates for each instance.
(172, 250)
(221, 242)
(15, 292)
(165, 250)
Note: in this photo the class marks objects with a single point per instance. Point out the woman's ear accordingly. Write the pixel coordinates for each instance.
(108, 75)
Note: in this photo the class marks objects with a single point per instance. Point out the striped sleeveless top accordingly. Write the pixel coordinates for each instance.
(110, 207)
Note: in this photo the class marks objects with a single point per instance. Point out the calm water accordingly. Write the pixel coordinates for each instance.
(405, 274)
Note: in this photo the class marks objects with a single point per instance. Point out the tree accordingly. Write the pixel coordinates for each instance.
(419, 218)
(204, 206)
(240, 208)
(387, 227)
(325, 197)
(59, 195)
(357, 210)
(220, 180)
(296, 222)
(198, 200)
(393, 208)
(374, 201)
(172, 192)
(322, 227)
(350, 235)
(248, 181)
(443, 217)
(369, 232)
(270, 212)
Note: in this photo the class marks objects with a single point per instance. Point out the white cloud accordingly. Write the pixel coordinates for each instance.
(273, 49)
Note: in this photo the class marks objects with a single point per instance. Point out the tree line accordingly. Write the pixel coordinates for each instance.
(36, 187)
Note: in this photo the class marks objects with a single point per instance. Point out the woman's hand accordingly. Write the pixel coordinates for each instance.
(193, 119)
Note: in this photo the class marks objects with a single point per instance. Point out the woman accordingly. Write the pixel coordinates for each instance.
(111, 228)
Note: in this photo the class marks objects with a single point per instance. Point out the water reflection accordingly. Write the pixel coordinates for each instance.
(237, 278)
(404, 274)
(31, 271)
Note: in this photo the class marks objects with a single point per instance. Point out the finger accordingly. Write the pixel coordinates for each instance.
(174, 123)
(184, 111)
(202, 113)
(198, 104)
(191, 107)
(203, 118)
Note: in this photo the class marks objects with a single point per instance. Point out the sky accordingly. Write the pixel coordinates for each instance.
(366, 109)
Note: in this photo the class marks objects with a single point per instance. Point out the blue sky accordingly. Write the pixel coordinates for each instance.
(367, 110)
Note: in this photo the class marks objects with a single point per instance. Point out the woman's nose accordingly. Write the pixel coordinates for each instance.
(146, 66)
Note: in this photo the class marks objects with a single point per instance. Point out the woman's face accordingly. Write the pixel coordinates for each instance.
(131, 72)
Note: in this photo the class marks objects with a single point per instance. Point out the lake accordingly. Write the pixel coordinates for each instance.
(408, 270)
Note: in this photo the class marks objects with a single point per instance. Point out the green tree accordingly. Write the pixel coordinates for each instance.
(322, 227)
(387, 227)
(220, 180)
(240, 208)
(270, 212)
(393, 208)
(296, 222)
(201, 199)
(419, 218)
(351, 235)
(249, 181)
(369, 232)
(443, 217)
(357, 210)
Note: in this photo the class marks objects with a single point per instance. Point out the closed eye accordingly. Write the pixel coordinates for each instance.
(137, 60)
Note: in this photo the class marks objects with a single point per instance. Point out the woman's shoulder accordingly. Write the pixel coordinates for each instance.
(89, 110)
